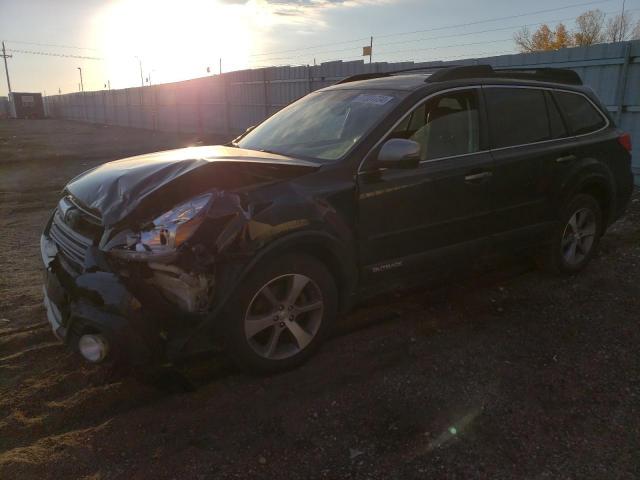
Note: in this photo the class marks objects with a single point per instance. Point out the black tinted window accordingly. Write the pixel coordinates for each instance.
(558, 129)
(444, 126)
(579, 112)
(517, 116)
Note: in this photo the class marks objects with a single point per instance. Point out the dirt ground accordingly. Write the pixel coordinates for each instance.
(506, 373)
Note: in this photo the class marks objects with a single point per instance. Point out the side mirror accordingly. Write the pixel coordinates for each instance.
(399, 153)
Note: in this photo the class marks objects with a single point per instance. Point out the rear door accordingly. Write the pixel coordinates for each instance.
(424, 217)
(525, 140)
(582, 119)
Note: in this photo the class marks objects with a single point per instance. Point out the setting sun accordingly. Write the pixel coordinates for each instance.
(173, 41)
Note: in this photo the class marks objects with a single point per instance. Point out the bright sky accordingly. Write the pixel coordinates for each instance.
(176, 40)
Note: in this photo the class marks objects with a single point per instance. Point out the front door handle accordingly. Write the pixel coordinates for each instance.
(477, 177)
(566, 158)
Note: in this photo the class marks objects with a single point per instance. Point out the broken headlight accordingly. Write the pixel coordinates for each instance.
(167, 232)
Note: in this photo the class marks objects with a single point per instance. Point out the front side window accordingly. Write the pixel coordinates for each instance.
(444, 126)
(517, 116)
(580, 113)
(323, 125)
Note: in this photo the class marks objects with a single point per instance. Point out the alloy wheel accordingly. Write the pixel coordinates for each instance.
(284, 316)
(579, 236)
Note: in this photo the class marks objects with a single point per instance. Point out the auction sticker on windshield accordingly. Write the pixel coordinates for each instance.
(373, 99)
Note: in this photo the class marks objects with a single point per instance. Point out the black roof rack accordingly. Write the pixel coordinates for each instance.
(362, 76)
(545, 74)
(556, 75)
(457, 72)
(369, 76)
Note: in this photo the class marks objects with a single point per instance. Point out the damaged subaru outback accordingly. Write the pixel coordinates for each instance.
(375, 183)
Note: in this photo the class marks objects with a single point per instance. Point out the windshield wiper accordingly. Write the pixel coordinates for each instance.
(264, 150)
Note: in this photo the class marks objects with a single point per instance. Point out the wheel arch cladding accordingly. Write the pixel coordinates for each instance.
(598, 190)
(328, 250)
(595, 180)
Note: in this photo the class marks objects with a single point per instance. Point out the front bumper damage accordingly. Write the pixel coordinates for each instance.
(137, 322)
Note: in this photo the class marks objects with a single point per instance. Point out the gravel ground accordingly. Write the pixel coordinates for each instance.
(504, 373)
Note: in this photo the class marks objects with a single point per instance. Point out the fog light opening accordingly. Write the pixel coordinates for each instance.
(93, 347)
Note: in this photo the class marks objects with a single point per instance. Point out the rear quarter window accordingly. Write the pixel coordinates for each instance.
(582, 117)
(517, 116)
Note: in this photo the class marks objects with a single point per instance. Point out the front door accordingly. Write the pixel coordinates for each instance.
(427, 216)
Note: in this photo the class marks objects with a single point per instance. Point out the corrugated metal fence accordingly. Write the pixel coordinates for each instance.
(229, 103)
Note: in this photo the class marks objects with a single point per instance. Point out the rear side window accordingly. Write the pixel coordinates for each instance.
(581, 115)
(517, 116)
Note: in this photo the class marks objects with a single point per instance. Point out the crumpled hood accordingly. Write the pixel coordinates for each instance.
(115, 189)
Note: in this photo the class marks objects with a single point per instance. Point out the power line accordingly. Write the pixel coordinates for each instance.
(383, 52)
(52, 45)
(495, 19)
(53, 54)
(566, 19)
(309, 48)
(448, 46)
(296, 50)
(408, 50)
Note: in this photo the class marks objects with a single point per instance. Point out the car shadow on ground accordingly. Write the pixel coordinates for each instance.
(457, 287)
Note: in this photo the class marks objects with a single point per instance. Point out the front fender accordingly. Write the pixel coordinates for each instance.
(243, 230)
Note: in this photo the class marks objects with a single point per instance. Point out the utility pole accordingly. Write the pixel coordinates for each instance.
(6, 68)
(370, 49)
(141, 76)
(81, 83)
(623, 30)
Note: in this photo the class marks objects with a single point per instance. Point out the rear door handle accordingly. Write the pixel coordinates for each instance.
(566, 158)
(477, 177)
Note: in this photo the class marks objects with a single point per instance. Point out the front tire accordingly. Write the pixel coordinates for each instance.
(280, 314)
(575, 241)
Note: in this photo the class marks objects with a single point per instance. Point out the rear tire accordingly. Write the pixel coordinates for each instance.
(575, 241)
(280, 314)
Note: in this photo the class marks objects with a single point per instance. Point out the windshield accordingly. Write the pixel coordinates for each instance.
(322, 125)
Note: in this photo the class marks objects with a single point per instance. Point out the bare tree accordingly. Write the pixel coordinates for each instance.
(589, 28)
(523, 40)
(619, 28)
(622, 27)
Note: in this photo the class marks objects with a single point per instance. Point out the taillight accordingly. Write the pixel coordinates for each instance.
(625, 141)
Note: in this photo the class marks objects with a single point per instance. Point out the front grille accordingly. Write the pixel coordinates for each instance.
(74, 230)
(72, 244)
